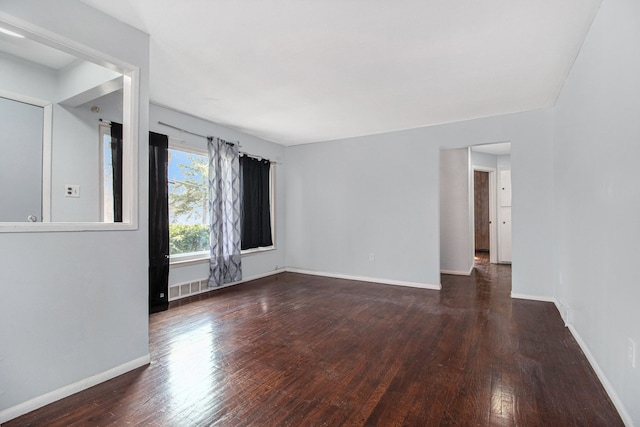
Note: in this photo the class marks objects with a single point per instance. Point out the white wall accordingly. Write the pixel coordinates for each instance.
(76, 157)
(456, 233)
(483, 159)
(22, 77)
(254, 264)
(597, 199)
(82, 77)
(75, 148)
(504, 161)
(21, 161)
(380, 194)
(74, 304)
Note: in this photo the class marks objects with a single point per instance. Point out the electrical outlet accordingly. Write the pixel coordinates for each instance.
(71, 190)
(631, 352)
(372, 257)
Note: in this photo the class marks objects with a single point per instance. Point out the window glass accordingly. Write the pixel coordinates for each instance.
(107, 174)
(189, 207)
(188, 202)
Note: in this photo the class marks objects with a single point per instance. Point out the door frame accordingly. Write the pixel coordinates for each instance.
(493, 236)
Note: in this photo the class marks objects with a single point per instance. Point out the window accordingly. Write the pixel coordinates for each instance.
(255, 203)
(189, 206)
(106, 173)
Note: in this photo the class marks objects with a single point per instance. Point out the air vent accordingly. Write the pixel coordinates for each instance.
(187, 289)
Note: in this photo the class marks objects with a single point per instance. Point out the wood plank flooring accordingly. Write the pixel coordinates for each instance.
(297, 350)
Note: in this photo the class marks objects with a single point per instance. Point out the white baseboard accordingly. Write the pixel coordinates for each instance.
(267, 274)
(534, 298)
(565, 312)
(204, 288)
(626, 418)
(248, 279)
(458, 273)
(61, 393)
(366, 279)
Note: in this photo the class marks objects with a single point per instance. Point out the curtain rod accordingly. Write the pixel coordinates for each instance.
(253, 156)
(181, 130)
(206, 137)
(192, 133)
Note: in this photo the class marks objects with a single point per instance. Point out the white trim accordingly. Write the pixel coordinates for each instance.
(258, 250)
(61, 393)
(622, 411)
(500, 230)
(53, 227)
(130, 121)
(63, 43)
(309, 272)
(25, 99)
(248, 279)
(47, 135)
(259, 276)
(366, 279)
(493, 220)
(130, 146)
(104, 130)
(471, 210)
(458, 273)
(191, 258)
(272, 203)
(180, 145)
(47, 128)
(534, 298)
(564, 309)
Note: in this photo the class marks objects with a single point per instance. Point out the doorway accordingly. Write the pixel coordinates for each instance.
(457, 205)
(481, 211)
(491, 207)
(485, 214)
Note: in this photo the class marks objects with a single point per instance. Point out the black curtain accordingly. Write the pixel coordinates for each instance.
(158, 223)
(255, 212)
(116, 165)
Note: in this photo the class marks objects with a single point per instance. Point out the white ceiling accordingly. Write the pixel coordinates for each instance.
(294, 72)
(499, 149)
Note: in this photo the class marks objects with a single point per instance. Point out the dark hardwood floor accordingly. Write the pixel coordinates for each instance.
(297, 350)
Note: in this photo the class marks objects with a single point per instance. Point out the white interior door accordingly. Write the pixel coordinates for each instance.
(21, 127)
(504, 226)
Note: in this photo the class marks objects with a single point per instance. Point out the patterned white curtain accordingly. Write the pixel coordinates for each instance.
(224, 208)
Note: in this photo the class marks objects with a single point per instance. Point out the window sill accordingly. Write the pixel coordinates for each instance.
(258, 250)
(184, 262)
(201, 258)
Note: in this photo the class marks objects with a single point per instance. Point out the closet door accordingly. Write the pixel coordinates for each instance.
(21, 127)
(158, 223)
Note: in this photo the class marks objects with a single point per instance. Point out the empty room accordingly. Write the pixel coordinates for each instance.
(319, 213)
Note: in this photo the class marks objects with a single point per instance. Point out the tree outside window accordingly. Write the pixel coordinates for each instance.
(188, 202)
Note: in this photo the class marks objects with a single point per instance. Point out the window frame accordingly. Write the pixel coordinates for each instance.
(190, 258)
(187, 257)
(272, 212)
(104, 130)
(131, 133)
